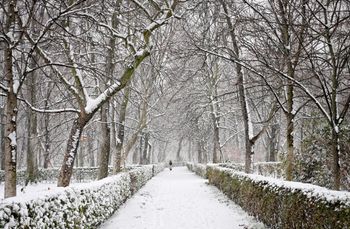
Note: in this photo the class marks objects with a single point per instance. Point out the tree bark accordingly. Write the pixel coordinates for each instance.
(249, 150)
(90, 146)
(81, 155)
(32, 165)
(199, 152)
(335, 162)
(121, 131)
(2, 139)
(10, 128)
(47, 141)
(10, 110)
(290, 146)
(179, 147)
(145, 152)
(105, 143)
(72, 148)
(141, 149)
(285, 38)
(142, 124)
(216, 134)
(273, 143)
(189, 151)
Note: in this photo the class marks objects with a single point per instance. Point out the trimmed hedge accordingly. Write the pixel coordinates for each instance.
(83, 206)
(51, 175)
(199, 169)
(269, 169)
(283, 204)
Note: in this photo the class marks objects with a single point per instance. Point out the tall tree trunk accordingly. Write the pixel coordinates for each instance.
(10, 142)
(141, 149)
(285, 33)
(142, 124)
(2, 134)
(32, 165)
(189, 151)
(335, 122)
(121, 131)
(112, 154)
(179, 147)
(71, 151)
(145, 152)
(249, 150)
(81, 154)
(273, 142)
(110, 70)
(10, 109)
(216, 121)
(47, 141)
(10, 128)
(290, 146)
(335, 162)
(150, 157)
(204, 152)
(90, 146)
(105, 143)
(199, 152)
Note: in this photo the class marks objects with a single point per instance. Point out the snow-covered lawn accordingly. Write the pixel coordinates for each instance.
(179, 199)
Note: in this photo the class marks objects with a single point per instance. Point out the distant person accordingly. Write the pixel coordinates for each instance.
(170, 165)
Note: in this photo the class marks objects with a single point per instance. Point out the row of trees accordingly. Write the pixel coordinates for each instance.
(85, 52)
(288, 58)
(270, 79)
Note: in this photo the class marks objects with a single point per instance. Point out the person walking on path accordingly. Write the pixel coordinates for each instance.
(170, 165)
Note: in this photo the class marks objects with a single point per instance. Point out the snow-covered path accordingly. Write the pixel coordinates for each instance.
(179, 199)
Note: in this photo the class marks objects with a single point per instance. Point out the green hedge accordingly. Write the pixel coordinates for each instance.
(80, 174)
(269, 169)
(282, 204)
(84, 206)
(199, 169)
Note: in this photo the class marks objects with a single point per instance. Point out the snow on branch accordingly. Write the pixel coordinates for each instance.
(39, 110)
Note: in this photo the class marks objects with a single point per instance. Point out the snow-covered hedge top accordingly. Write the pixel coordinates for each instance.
(270, 169)
(311, 191)
(50, 175)
(80, 206)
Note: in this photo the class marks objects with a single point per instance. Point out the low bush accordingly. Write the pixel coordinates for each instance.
(80, 174)
(282, 204)
(269, 169)
(199, 169)
(82, 206)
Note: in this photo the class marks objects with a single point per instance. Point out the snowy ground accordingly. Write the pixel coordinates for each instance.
(179, 199)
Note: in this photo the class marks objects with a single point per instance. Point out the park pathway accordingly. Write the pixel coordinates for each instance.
(179, 199)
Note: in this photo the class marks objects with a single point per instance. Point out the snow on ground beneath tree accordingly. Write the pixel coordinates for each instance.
(180, 199)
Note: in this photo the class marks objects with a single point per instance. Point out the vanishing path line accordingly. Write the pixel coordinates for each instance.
(179, 199)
